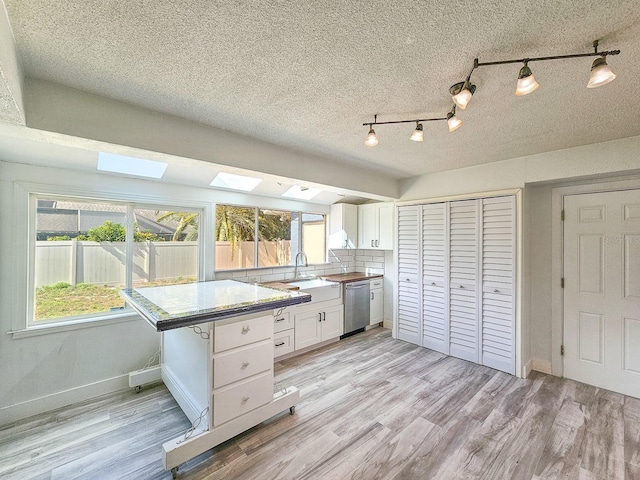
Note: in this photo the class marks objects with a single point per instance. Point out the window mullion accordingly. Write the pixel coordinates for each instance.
(255, 238)
(128, 267)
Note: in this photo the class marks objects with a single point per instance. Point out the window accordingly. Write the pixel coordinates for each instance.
(248, 237)
(85, 251)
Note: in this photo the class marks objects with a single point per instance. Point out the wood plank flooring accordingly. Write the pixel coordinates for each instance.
(372, 408)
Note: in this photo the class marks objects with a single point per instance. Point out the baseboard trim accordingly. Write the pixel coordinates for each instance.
(13, 413)
(543, 366)
(526, 369)
(388, 324)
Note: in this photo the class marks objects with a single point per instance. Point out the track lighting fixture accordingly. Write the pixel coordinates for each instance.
(416, 136)
(462, 92)
(453, 121)
(372, 138)
(601, 74)
(526, 81)
(418, 133)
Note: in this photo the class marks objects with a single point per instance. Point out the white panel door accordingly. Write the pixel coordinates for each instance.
(463, 273)
(602, 290)
(498, 279)
(435, 277)
(409, 285)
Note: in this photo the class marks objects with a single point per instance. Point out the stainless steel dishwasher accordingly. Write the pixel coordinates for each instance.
(356, 307)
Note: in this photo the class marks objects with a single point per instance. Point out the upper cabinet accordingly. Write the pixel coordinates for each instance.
(343, 226)
(375, 226)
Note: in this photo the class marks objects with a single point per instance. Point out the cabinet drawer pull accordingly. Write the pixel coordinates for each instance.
(280, 319)
(371, 295)
(245, 330)
(495, 290)
(461, 286)
(244, 365)
(377, 243)
(279, 344)
(433, 284)
(320, 315)
(244, 400)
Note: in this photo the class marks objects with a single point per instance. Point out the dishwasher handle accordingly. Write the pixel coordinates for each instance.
(356, 286)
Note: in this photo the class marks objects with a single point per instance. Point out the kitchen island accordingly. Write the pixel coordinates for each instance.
(217, 357)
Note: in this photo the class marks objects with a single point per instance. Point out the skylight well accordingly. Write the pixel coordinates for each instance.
(235, 182)
(110, 162)
(301, 193)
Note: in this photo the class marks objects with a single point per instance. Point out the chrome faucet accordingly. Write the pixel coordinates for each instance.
(304, 255)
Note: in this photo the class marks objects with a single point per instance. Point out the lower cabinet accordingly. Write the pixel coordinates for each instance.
(376, 307)
(318, 325)
(283, 334)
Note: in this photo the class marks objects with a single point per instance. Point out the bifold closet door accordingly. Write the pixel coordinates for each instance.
(463, 277)
(409, 306)
(498, 280)
(435, 268)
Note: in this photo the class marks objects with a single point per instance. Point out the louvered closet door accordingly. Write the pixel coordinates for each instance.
(463, 274)
(498, 270)
(409, 309)
(435, 254)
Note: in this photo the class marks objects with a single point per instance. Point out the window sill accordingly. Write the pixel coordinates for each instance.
(71, 325)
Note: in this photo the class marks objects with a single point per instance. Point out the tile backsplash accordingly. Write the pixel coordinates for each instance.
(339, 261)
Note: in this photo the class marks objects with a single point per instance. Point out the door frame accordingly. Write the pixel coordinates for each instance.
(557, 245)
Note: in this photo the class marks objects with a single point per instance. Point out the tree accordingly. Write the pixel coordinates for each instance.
(114, 232)
(187, 224)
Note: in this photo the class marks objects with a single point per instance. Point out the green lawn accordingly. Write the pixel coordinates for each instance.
(63, 300)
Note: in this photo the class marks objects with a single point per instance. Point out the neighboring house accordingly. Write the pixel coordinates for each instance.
(58, 218)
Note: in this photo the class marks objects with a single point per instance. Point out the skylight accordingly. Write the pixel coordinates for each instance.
(110, 162)
(301, 193)
(235, 182)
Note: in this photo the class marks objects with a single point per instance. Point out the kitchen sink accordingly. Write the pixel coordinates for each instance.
(320, 290)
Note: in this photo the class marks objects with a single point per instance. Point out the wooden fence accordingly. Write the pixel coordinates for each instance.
(74, 261)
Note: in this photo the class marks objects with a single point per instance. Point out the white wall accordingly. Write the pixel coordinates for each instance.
(537, 174)
(47, 371)
(606, 158)
(55, 108)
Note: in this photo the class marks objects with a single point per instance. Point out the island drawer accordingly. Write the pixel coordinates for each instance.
(242, 332)
(283, 343)
(242, 362)
(235, 400)
(282, 322)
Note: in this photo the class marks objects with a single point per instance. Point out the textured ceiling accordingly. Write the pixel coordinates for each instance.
(307, 74)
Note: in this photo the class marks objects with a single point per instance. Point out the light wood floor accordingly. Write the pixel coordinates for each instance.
(372, 407)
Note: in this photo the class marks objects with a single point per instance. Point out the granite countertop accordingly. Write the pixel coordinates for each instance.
(351, 277)
(175, 306)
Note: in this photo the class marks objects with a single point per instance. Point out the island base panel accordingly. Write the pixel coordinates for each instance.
(179, 450)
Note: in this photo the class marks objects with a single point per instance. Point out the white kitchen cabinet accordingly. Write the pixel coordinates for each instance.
(343, 226)
(376, 307)
(283, 334)
(375, 226)
(318, 325)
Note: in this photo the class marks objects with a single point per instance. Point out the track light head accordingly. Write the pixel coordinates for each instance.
(418, 133)
(462, 93)
(453, 121)
(601, 74)
(372, 138)
(526, 81)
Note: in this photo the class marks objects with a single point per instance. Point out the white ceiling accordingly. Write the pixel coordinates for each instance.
(307, 74)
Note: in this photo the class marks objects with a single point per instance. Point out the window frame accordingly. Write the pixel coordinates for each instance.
(25, 202)
(256, 241)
